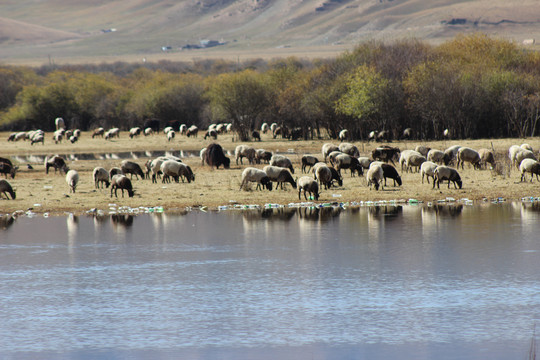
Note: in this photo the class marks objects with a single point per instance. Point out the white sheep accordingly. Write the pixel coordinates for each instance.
(524, 154)
(309, 185)
(365, 161)
(244, 151)
(427, 169)
(72, 179)
(282, 161)
(512, 152)
(264, 128)
(375, 176)
(443, 172)
(251, 174)
(349, 148)
(100, 175)
(176, 170)
(438, 156)
(451, 152)
(202, 155)
(279, 175)
(182, 129)
(148, 131)
(414, 160)
(422, 149)
(486, 156)
(529, 166)
(404, 156)
(526, 147)
(332, 156)
(111, 133)
(327, 148)
(170, 135)
(323, 174)
(469, 155)
(343, 135)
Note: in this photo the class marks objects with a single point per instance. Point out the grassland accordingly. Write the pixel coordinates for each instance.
(49, 193)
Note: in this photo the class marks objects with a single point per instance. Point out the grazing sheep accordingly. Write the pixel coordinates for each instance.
(273, 127)
(221, 128)
(134, 131)
(422, 149)
(11, 137)
(512, 152)
(323, 174)
(60, 123)
(148, 131)
(404, 158)
(170, 135)
(365, 161)
(112, 133)
(332, 157)
(183, 129)
(385, 153)
(414, 160)
(327, 149)
(343, 135)
(486, 156)
(308, 160)
(37, 138)
(77, 133)
(264, 128)
(282, 161)
(72, 179)
(100, 175)
(98, 132)
(192, 131)
(443, 172)
(167, 129)
(57, 162)
(132, 168)
(451, 152)
(216, 157)
(121, 182)
(244, 151)
(384, 136)
(58, 136)
(115, 171)
(20, 136)
(428, 169)
(526, 147)
(529, 166)
(176, 170)
(256, 135)
(446, 133)
(5, 188)
(469, 155)
(251, 174)
(346, 161)
(211, 133)
(407, 134)
(390, 172)
(262, 155)
(309, 185)
(8, 168)
(202, 155)
(73, 139)
(279, 175)
(350, 149)
(438, 156)
(375, 176)
(522, 155)
(372, 136)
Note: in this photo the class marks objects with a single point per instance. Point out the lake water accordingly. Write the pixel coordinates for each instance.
(395, 282)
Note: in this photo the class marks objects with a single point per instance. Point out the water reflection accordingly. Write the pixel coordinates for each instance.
(411, 282)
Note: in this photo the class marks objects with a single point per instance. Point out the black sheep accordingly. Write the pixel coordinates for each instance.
(215, 156)
(390, 172)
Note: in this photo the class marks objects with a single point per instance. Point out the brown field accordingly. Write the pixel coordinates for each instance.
(49, 193)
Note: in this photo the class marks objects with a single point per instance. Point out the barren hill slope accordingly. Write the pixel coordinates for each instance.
(68, 28)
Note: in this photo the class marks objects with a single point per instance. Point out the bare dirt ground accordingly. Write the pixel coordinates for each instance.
(49, 193)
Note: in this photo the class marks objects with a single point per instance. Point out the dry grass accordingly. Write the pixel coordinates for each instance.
(213, 188)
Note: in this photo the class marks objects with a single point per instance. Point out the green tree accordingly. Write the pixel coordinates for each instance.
(241, 98)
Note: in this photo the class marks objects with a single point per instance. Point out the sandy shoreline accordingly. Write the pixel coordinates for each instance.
(49, 193)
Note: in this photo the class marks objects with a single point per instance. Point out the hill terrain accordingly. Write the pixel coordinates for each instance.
(32, 31)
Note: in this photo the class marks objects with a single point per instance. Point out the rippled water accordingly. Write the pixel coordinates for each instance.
(405, 282)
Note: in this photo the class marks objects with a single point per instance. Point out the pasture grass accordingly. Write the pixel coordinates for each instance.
(212, 188)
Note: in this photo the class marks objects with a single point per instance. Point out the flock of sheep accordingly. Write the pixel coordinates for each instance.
(377, 168)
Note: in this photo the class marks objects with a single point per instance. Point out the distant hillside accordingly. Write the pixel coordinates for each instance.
(81, 28)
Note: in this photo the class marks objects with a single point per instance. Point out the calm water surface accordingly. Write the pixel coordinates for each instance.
(411, 282)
